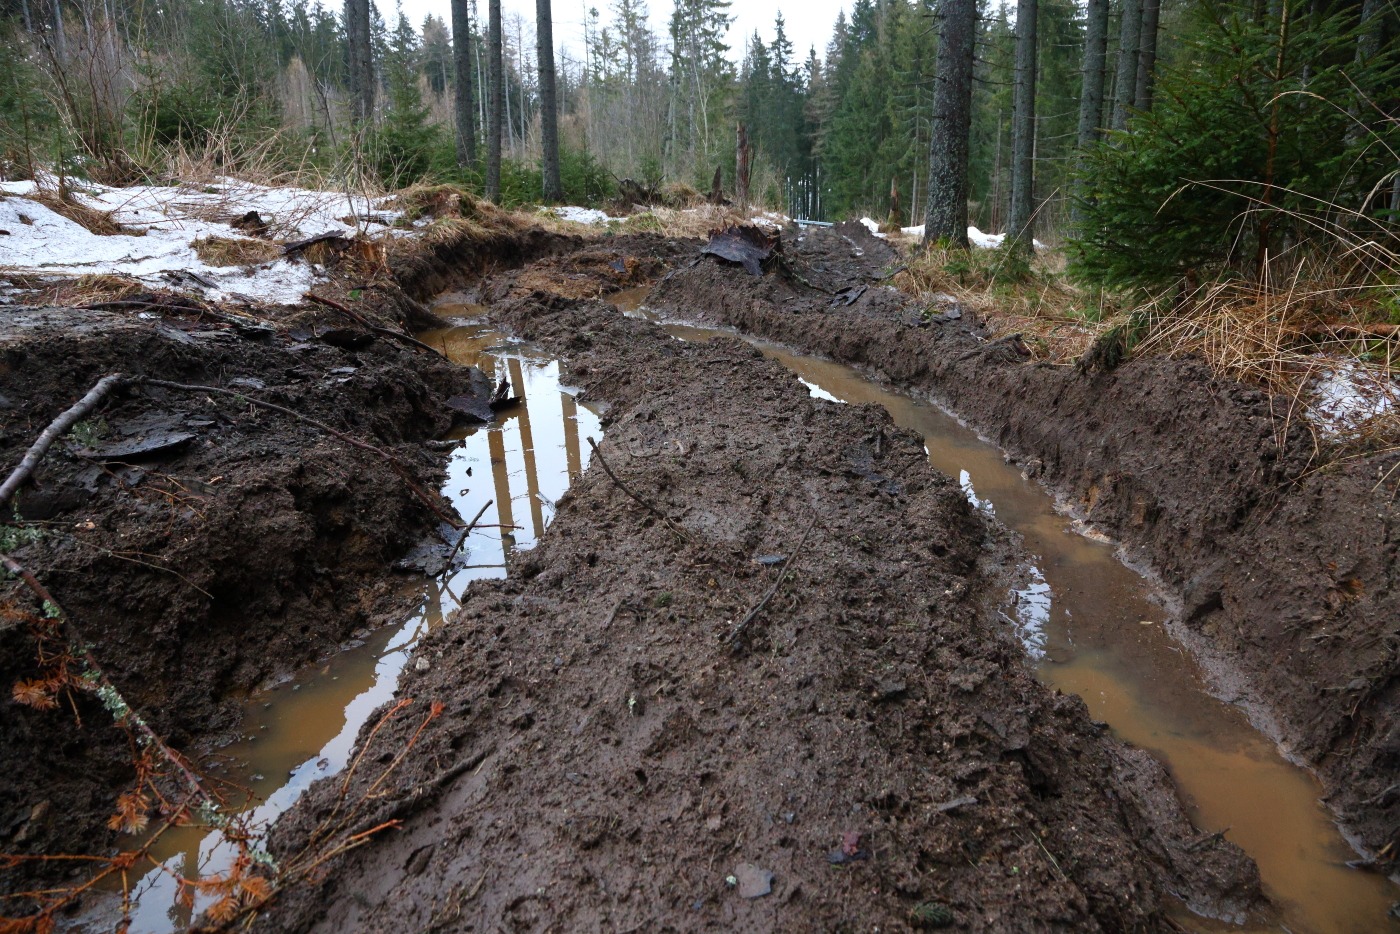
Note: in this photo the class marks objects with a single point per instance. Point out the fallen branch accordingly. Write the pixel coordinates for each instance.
(393, 461)
(736, 637)
(468, 530)
(361, 320)
(299, 245)
(57, 428)
(101, 686)
(623, 487)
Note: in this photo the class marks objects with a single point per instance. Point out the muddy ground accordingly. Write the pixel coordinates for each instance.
(240, 544)
(625, 743)
(1283, 555)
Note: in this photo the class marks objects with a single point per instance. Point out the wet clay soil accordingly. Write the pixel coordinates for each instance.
(1285, 564)
(511, 473)
(756, 681)
(253, 544)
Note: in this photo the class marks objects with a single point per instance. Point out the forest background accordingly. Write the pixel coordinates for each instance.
(1166, 142)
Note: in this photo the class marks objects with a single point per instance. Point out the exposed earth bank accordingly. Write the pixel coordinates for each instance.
(1285, 561)
(202, 545)
(752, 679)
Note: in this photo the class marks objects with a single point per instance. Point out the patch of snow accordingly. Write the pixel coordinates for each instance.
(771, 219)
(581, 215)
(873, 227)
(1345, 396)
(913, 231)
(165, 221)
(1032, 608)
(989, 241)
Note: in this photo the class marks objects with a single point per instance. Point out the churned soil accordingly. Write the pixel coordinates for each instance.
(752, 678)
(203, 546)
(1284, 557)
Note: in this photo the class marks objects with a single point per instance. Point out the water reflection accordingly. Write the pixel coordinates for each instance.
(303, 730)
(1092, 624)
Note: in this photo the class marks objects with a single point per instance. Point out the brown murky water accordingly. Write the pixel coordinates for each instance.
(304, 729)
(1095, 630)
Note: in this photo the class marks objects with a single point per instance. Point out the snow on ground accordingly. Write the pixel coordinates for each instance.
(1344, 396)
(579, 215)
(974, 236)
(164, 222)
(771, 219)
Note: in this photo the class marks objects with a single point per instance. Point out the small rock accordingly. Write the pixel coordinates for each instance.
(769, 561)
(422, 664)
(246, 382)
(752, 881)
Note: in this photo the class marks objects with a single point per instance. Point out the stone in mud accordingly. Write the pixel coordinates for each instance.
(752, 881)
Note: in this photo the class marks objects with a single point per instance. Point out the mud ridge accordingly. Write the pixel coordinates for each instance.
(1284, 564)
(876, 752)
(202, 545)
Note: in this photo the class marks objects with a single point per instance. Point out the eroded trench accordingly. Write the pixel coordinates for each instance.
(1093, 627)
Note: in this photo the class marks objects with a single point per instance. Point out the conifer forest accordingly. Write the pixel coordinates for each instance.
(486, 465)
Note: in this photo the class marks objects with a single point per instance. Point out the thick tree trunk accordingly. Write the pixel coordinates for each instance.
(464, 107)
(945, 218)
(1095, 59)
(1147, 54)
(1022, 213)
(549, 102)
(495, 111)
(357, 36)
(1125, 82)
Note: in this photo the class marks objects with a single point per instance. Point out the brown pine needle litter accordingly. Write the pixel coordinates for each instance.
(235, 251)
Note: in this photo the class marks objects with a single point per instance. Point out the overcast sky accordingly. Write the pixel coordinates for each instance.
(809, 22)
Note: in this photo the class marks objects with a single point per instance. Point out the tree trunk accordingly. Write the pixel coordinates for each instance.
(1125, 83)
(495, 113)
(945, 218)
(60, 35)
(549, 103)
(1095, 59)
(1022, 214)
(741, 167)
(464, 107)
(1147, 54)
(357, 36)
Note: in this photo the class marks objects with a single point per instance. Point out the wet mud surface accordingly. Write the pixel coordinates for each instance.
(1284, 563)
(755, 679)
(203, 546)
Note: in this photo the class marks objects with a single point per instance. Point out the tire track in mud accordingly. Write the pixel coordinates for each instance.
(881, 745)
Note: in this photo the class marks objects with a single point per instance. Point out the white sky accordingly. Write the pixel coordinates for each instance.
(809, 22)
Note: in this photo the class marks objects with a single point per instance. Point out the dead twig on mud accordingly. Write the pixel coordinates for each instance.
(623, 487)
(468, 530)
(95, 677)
(366, 323)
(388, 457)
(735, 640)
(56, 430)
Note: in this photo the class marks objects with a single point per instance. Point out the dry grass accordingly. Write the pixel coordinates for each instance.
(64, 203)
(234, 251)
(1058, 321)
(1284, 334)
(85, 290)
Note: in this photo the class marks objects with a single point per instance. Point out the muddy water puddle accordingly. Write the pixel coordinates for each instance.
(1092, 625)
(304, 729)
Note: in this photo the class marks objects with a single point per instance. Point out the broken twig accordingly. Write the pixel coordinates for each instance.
(623, 487)
(361, 320)
(736, 637)
(468, 530)
(56, 430)
(97, 682)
